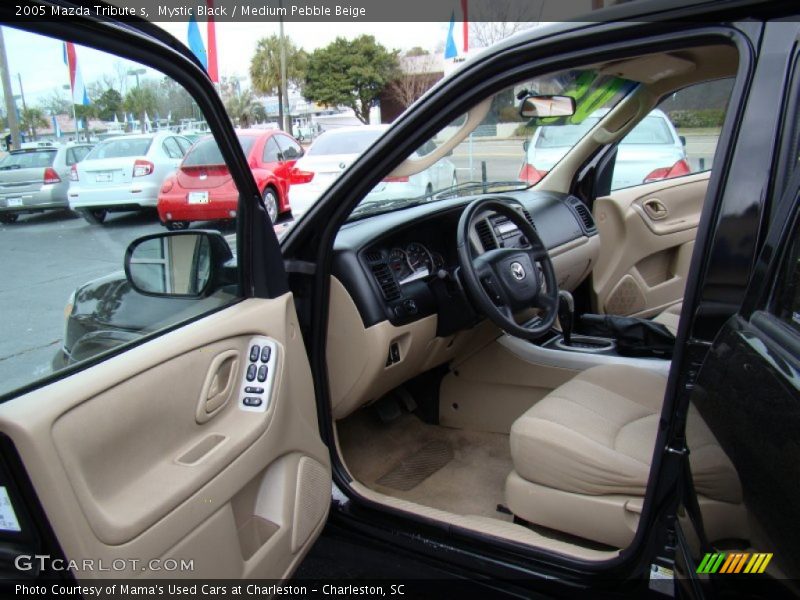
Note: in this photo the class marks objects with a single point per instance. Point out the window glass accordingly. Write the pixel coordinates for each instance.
(291, 150)
(787, 298)
(76, 154)
(206, 151)
(271, 151)
(344, 141)
(28, 160)
(184, 144)
(64, 294)
(171, 148)
(505, 151)
(679, 137)
(121, 148)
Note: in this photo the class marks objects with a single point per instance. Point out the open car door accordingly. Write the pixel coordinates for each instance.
(184, 444)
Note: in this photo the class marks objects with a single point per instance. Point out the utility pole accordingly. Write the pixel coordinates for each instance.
(8, 93)
(287, 121)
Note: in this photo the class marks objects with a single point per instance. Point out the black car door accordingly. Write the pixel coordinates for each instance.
(748, 394)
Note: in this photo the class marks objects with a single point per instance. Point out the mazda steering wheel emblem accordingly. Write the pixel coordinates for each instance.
(517, 271)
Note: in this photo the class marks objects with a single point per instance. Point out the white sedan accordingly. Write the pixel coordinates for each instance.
(124, 173)
(334, 150)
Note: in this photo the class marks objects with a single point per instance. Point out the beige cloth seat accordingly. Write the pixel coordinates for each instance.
(670, 317)
(582, 456)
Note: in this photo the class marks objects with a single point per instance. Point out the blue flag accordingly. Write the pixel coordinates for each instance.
(450, 50)
(196, 42)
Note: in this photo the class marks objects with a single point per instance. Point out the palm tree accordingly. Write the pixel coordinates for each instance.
(140, 100)
(32, 118)
(243, 108)
(265, 67)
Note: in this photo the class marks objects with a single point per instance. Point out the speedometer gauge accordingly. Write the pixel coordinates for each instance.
(419, 258)
(399, 263)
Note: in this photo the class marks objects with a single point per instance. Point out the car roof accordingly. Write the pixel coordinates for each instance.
(353, 128)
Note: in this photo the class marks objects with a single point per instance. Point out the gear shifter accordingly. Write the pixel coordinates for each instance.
(566, 315)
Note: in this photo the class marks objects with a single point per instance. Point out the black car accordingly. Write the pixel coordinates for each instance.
(561, 388)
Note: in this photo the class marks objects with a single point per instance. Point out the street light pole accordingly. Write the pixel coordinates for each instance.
(287, 122)
(11, 107)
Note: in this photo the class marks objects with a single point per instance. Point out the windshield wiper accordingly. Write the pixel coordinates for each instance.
(482, 186)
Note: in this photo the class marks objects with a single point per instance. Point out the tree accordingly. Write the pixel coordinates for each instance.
(108, 104)
(265, 67)
(32, 118)
(350, 73)
(417, 51)
(84, 112)
(55, 103)
(242, 108)
(417, 77)
(499, 19)
(139, 101)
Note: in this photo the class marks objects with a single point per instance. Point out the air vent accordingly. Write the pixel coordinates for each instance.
(485, 234)
(373, 256)
(386, 281)
(585, 216)
(528, 217)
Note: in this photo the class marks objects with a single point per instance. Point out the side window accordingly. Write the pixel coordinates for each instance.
(787, 297)
(678, 137)
(77, 154)
(86, 307)
(271, 151)
(184, 145)
(291, 149)
(172, 148)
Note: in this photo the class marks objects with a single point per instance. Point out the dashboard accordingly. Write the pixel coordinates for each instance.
(403, 266)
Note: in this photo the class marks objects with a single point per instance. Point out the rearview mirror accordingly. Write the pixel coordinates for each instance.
(176, 264)
(541, 106)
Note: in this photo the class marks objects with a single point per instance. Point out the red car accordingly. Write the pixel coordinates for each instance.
(202, 189)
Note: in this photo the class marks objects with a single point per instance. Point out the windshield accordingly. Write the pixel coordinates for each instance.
(496, 155)
(344, 142)
(28, 160)
(120, 148)
(564, 136)
(206, 151)
(651, 130)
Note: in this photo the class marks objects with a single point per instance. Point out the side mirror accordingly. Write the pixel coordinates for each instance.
(525, 145)
(682, 138)
(177, 264)
(542, 106)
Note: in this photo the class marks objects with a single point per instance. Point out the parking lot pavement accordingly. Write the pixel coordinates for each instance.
(44, 258)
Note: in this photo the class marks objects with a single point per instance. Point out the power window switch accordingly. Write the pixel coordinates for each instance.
(251, 401)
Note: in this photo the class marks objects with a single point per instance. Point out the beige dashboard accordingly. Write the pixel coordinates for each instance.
(358, 369)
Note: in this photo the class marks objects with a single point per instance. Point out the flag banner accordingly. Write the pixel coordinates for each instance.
(79, 93)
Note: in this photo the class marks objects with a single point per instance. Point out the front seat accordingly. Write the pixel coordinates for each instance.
(670, 318)
(582, 458)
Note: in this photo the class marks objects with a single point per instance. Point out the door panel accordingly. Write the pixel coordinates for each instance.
(130, 462)
(647, 237)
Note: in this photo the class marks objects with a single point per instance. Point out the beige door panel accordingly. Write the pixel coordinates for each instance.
(647, 237)
(151, 454)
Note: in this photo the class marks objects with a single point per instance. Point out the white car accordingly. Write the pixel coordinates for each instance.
(651, 151)
(334, 150)
(124, 173)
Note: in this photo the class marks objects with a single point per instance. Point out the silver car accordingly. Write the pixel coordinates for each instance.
(124, 173)
(37, 179)
(651, 151)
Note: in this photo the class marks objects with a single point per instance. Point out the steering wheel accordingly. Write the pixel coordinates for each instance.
(504, 281)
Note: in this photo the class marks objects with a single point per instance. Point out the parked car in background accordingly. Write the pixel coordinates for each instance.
(651, 151)
(334, 150)
(202, 188)
(37, 179)
(124, 173)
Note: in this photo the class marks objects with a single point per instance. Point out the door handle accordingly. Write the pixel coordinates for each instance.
(219, 383)
(655, 209)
